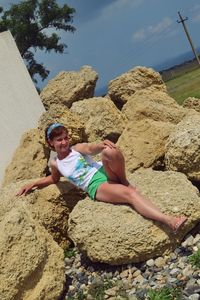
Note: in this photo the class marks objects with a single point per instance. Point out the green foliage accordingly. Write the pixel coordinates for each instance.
(79, 296)
(185, 85)
(69, 252)
(194, 259)
(31, 23)
(164, 293)
(97, 291)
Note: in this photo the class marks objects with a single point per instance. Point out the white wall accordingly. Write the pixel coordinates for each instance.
(20, 104)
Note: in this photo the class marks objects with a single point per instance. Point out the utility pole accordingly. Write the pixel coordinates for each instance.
(188, 36)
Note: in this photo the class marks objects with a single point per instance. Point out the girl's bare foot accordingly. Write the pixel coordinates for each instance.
(176, 223)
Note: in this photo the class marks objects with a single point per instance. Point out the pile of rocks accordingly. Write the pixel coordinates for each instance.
(133, 281)
(160, 142)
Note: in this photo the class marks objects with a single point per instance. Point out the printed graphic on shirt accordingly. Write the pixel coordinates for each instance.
(80, 171)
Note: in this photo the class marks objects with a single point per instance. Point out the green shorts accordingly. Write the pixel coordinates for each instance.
(97, 179)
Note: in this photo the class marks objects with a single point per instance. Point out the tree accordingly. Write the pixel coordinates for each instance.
(29, 22)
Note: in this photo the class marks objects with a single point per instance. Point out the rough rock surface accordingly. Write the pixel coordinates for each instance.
(152, 104)
(116, 234)
(102, 118)
(29, 160)
(32, 263)
(183, 147)
(61, 114)
(143, 143)
(68, 87)
(121, 88)
(51, 207)
(192, 102)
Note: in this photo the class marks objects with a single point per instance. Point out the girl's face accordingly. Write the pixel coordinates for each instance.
(60, 143)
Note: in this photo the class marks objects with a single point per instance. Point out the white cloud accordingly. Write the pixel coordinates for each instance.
(139, 35)
(172, 33)
(154, 29)
(196, 19)
(111, 9)
(195, 8)
(195, 13)
(157, 28)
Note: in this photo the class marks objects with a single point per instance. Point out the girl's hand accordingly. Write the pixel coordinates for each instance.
(107, 143)
(25, 189)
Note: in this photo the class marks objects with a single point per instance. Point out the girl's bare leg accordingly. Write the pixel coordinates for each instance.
(118, 193)
(114, 165)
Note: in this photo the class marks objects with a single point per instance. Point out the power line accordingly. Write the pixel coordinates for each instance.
(154, 38)
(132, 55)
(136, 52)
(188, 35)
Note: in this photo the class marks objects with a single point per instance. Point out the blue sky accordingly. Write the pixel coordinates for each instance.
(114, 36)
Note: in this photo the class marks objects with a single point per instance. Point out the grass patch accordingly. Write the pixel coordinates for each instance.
(194, 259)
(79, 296)
(69, 252)
(97, 291)
(184, 86)
(164, 293)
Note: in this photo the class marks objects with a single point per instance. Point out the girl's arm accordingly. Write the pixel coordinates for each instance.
(92, 148)
(45, 181)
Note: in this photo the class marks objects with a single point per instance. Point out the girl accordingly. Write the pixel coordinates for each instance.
(105, 181)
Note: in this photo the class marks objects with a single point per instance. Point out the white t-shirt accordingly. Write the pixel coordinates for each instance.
(78, 168)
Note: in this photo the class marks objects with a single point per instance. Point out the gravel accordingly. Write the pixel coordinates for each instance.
(90, 281)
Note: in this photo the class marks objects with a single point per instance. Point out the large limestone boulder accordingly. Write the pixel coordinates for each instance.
(143, 143)
(116, 234)
(68, 87)
(32, 263)
(182, 148)
(121, 88)
(102, 119)
(51, 206)
(153, 104)
(29, 160)
(61, 114)
(193, 103)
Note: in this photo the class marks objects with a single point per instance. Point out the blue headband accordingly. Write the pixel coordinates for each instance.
(52, 127)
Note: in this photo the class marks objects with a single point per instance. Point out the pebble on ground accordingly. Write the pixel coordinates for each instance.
(87, 280)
